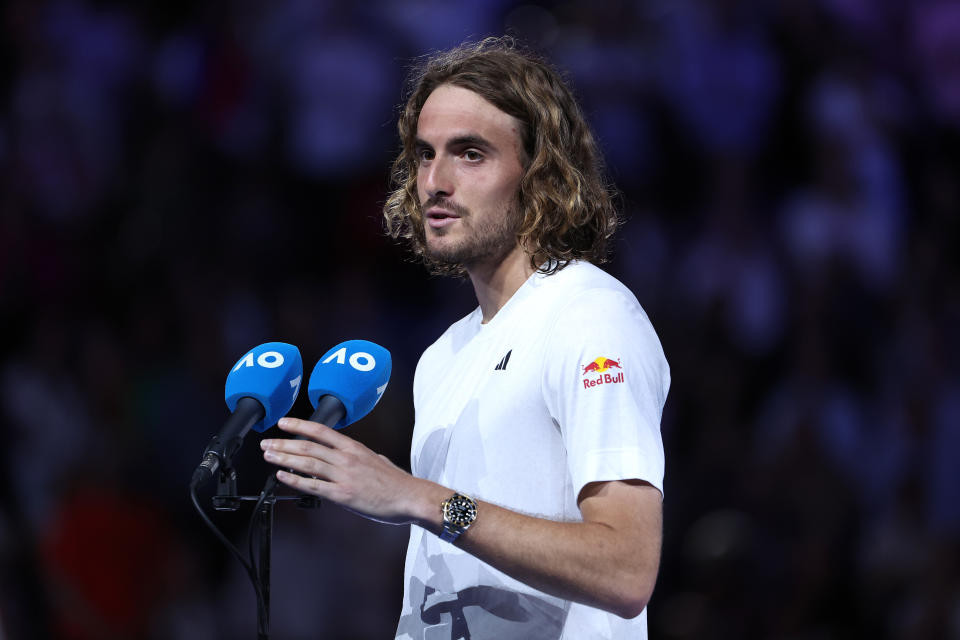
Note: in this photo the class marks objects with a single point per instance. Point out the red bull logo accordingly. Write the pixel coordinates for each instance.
(601, 366)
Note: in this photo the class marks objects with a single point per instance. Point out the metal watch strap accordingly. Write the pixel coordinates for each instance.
(448, 534)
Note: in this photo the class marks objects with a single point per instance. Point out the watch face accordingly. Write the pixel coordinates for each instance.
(460, 511)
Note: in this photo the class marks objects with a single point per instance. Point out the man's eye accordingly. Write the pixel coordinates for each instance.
(424, 155)
(473, 155)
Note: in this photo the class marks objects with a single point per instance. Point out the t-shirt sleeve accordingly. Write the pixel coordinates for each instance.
(605, 381)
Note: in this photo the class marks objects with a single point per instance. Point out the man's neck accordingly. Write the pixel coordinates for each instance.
(495, 283)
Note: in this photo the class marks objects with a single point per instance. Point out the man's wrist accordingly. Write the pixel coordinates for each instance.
(425, 507)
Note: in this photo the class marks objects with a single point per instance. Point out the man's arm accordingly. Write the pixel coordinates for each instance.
(609, 560)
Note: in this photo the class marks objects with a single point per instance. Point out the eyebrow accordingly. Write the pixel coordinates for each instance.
(465, 140)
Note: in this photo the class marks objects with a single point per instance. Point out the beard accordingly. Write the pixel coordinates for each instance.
(472, 242)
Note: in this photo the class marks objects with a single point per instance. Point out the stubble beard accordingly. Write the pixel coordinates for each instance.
(489, 241)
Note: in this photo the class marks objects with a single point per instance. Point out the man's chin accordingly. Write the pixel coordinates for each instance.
(447, 258)
(448, 253)
(441, 248)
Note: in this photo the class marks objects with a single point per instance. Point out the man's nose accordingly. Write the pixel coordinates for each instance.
(437, 178)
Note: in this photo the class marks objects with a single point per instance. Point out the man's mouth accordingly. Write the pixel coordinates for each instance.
(438, 218)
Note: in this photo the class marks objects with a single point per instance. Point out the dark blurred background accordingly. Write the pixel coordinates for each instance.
(180, 181)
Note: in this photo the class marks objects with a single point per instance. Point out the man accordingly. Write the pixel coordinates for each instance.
(537, 459)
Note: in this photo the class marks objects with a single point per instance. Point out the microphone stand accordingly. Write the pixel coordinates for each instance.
(266, 539)
(226, 499)
(328, 410)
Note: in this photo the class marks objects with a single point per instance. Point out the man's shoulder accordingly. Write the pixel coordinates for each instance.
(593, 308)
(582, 276)
(582, 283)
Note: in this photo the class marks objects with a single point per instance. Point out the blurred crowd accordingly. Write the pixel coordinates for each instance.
(181, 181)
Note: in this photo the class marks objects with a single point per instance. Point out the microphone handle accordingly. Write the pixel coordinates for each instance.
(225, 444)
(329, 411)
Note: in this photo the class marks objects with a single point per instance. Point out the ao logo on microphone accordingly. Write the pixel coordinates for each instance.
(358, 385)
(267, 360)
(361, 361)
(270, 360)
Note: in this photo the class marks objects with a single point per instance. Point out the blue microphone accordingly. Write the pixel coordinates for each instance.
(345, 385)
(348, 381)
(261, 388)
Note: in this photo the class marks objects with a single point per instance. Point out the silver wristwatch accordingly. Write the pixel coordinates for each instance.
(459, 512)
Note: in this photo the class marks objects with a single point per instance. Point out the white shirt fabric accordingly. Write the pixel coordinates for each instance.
(579, 400)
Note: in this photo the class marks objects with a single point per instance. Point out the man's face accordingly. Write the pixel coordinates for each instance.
(468, 177)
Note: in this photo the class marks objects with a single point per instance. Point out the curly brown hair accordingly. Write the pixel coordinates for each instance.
(566, 204)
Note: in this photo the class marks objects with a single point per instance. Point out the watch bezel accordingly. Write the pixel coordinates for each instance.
(459, 512)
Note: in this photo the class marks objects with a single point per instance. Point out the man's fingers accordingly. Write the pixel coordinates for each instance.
(312, 430)
(297, 447)
(315, 486)
(309, 465)
(315, 431)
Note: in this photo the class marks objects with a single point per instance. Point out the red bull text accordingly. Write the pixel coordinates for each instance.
(600, 365)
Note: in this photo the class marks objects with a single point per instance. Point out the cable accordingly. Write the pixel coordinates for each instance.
(253, 528)
(251, 572)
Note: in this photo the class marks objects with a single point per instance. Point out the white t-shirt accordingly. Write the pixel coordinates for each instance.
(564, 386)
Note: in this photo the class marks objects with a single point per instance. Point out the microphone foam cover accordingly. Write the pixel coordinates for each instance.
(356, 372)
(270, 373)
